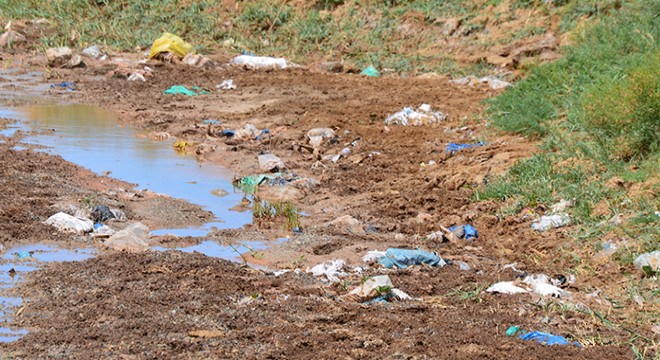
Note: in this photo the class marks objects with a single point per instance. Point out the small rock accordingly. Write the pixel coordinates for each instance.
(132, 239)
(10, 38)
(58, 57)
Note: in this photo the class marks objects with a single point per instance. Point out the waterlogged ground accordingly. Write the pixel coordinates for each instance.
(184, 304)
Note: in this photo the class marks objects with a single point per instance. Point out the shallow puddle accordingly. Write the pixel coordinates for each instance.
(91, 137)
(14, 264)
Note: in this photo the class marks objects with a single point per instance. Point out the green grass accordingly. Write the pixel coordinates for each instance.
(597, 114)
(398, 35)
(266, 213)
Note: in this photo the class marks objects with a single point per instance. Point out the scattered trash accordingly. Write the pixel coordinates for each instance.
(94, 52)
(512, 330)
(318, 136)
(198, 60)
(182, 145)
(561, 206)
(136, 77)
(260, 62)
(506, 287)
(422, 116)
(68, 85)
(467, 232)
(332, 270)
(370, 71)
(540, 284)
(23, 254)
(492, 81)
(119, 215)
(270, 163)
(226, 85)
(648, 263)
(548, 222)
(547, 339)
(102, 213)
(103, 231)
(373, 287)
(248, 132)
(402, 258)
(250, 183)
(452, 148)
(132, 239)
(211, 122)
(169, 43)
(182, 90)
(67, 223)
(463, 266)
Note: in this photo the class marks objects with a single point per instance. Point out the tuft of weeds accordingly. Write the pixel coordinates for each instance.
(474, 292)
(265, 213)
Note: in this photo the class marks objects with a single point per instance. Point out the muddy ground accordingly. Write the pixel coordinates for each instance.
(161, 305)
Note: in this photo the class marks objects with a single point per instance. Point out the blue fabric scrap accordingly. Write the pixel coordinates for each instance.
(547, 339)
(454, 147)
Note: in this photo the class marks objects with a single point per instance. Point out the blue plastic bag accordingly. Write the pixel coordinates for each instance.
(454, 147)
(402, 258)
(467, 232)
(547, 339)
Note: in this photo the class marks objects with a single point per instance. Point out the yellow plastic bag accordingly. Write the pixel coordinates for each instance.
(170, 43)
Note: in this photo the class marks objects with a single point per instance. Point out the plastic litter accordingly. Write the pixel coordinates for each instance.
(270, 163)
(67, 223)
(370, 287)
(211, 122)
(136, 77)
(547, 339)
(250, 183)
(370, 71)
(68, 85)
(561, 206)
(132, 239)
(226, 85)
(260, 62)
(492, 81)
(170, 43)
(94, 52)
(332, 270)
(182, 90)
(103, 231)
(548, 222)
(424, 115)
(319, 135)
(649, 262)
(506, 287)
(23, 254)
(454, 147)
(102, 213)
(467, 232)
(402, 258)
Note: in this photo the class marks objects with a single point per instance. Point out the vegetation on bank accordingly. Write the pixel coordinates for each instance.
(403, 36)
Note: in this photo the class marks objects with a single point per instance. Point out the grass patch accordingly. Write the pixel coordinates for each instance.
(597, 112)
(266, 213)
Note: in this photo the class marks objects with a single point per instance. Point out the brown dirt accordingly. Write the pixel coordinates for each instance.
(146, 305)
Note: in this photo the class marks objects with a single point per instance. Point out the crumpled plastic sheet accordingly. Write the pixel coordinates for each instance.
(402, 258)
(454, 147)
(547, 339)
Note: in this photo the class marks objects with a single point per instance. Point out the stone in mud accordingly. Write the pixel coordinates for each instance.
(71, 224)
(349, 224)
(58, 57)
(132, 239)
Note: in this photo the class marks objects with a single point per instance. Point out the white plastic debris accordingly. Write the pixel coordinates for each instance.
(373, 283)
(548, 222)
(561, 206)
(270, 162)
(332, 270)
(319, 135)
(248, 132)
(67, 223)
(493, 82)
(373, 256)
(136, 77)
(400, 295)
(506, 287)
(652, 260)
(226, 85)
(94, 52)
(132, 239)
(422, 116)
(104, 230)
(541, 284)
(260, 62)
